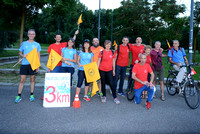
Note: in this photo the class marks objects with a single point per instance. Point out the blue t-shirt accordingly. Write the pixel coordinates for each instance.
(69, 54)
(27, 47)
(177, 55)
(85, 58)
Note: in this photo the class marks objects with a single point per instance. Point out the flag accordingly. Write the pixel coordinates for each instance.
(168, 44)
(92, 75)
(95, 88)
(91, 72)
(115, 44)
(80, 20)
(54, 59)
(193, 72)
(33, 59)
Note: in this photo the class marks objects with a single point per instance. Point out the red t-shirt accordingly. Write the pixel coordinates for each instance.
(135, 51)
(57, 48)
(123, 56)
(106, 63)
(141, 72)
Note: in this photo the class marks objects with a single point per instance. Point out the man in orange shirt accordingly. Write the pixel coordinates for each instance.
(96, 49)
(139, 74)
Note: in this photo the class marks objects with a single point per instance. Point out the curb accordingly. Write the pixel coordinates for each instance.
(5, 71)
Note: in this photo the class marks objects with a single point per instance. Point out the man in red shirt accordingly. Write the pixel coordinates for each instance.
(139, 74)
(135, 49)
(58, 46)
(121, 64)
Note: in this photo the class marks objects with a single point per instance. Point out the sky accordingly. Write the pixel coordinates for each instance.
(112, 4)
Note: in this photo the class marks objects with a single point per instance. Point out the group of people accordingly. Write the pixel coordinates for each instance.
(146, 65)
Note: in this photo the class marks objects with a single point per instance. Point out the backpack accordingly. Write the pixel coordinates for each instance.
(172, 52)
(102, 54)
(118, 50)
(119, 47)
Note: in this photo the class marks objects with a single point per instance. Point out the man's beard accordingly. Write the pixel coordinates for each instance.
(96, 45)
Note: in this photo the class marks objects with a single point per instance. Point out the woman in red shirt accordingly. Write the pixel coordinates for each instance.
(106, 65)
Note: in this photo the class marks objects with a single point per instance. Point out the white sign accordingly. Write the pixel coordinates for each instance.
(57, 90)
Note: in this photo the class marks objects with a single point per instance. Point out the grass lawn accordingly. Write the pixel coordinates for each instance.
(10, 53)
(43, 46)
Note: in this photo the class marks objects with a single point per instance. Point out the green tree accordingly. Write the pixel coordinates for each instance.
(25, 8)
(196, 28)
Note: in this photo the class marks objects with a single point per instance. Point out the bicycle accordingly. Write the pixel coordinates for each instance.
(130, 91)
(187, 87)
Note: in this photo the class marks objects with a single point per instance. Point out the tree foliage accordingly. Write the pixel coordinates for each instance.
(150, 19)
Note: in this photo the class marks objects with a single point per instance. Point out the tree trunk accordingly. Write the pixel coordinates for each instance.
(150, 41)
(21, 30)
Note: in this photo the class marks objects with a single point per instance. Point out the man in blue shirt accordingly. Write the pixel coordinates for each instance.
(177, 57)
(25, 69)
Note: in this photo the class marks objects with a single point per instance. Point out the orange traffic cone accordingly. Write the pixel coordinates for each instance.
(76, 103)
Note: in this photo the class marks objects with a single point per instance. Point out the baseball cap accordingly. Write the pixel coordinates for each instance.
(86, 40)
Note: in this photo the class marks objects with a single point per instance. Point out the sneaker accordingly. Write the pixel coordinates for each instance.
(32, 98)
(98, 93)
(103, 99)
(177, 90)
(162, 97)
(18, 99)
(176, 85)
(89, 94)
(86, 98)
(148, 105)
(101, 95)
(122, 94)
(116, 101)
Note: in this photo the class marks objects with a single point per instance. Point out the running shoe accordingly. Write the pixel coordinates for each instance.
(148, 105)
(116, 101)
(101, 95)
(162, 97)
(122, 94)
(103, 99)
(32, 98)
(86, 98)
(89, 94)
(18, 99)
(98, 93)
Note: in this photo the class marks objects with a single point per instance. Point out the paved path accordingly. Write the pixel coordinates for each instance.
(170, 116)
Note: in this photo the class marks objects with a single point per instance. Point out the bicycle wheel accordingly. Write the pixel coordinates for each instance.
(191, 94)
(130, 92)
(171, 79)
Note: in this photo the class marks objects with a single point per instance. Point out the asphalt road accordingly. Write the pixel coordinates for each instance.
(170, 116)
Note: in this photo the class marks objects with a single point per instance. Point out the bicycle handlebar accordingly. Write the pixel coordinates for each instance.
(190, 65)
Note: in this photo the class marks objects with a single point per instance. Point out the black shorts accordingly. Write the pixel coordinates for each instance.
(26, 70)
(81, 77)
